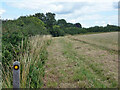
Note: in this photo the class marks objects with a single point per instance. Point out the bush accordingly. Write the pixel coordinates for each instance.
(10, 40)
(74, 30)
(57, 31)
(33, 26)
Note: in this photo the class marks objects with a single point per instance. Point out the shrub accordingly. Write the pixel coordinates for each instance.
(74, 30)
(57, 31)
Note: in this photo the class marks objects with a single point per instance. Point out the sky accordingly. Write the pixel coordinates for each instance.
(87, 12)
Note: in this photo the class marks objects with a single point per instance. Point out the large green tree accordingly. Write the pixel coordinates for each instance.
(61, 22)
(50, 20)
(78, 25)
(69, 25)
(41, 16)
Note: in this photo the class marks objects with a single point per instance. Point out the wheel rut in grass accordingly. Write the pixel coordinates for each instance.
(56, 67)
(68, 67)
(101, 47)
(96, 60)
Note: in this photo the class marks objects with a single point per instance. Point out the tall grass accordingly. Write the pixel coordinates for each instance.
(31, 63)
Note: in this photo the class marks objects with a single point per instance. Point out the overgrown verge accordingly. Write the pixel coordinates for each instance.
(31, 61)
(16, 41)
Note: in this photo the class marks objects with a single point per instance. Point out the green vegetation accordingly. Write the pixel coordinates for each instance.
(17, 44)
(32, 62)
(46, 24)
(75, 64)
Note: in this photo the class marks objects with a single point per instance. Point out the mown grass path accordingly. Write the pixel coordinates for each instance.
(55, 72)
(74, 64)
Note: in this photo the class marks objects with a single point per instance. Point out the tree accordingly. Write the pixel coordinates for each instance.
(50, 20)
(69, 25)
(78, 25)
(41, 16)
(61, 22)
(74, 30)
(57, 31)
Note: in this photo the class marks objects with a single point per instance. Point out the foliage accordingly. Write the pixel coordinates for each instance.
(14, 31)
(62, 22)
(32, 62)
(57, 31)
(66, 27)
(74, 30)
(50, 19)
(107, 28)
(78, 25)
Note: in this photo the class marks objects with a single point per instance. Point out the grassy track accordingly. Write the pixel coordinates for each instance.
(82, 61)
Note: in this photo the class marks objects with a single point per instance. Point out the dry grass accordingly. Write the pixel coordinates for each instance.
(98, 59)
(37, 43)
(75, 64)
(107, 40)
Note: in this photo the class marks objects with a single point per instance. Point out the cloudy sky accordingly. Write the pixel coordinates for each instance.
(87, 12)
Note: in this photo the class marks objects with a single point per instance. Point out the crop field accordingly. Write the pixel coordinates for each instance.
(84, 61)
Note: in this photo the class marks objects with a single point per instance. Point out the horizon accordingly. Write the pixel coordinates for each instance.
(88, 14)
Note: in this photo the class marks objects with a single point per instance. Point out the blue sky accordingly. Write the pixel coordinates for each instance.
(87, 12)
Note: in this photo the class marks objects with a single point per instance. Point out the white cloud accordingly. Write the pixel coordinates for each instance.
(2, 11)
(93, 12)
(55, 5)
(62, 0)
(72, 10)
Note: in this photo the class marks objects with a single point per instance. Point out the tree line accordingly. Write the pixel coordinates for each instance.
(41, 23)
(14, 31)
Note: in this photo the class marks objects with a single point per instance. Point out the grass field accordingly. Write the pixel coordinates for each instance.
(79, 61)
(89, 61)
